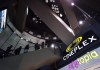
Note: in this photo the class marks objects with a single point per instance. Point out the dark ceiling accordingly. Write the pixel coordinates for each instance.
(5, 3)
(92, 7)
(38, 27)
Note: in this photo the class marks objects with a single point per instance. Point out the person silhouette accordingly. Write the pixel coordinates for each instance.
(42, 45)
(26, 48)
(8, 50)
(17, 51)
(37, 46)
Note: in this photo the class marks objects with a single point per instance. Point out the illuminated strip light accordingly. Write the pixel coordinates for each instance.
(64, 24)
(3, 18)
(27, 10)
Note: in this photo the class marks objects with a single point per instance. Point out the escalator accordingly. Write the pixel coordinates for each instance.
(29, 61)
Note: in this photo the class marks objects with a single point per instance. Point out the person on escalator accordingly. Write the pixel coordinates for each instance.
(26, 48)
(42, 45)
(17, 51)
(37, 46)
(8, 50)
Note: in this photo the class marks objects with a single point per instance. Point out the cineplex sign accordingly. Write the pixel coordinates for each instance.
(80, 43)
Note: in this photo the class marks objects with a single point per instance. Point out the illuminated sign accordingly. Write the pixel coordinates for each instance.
(74, 44)
(89, 59)
(79, 44)
(85, 59)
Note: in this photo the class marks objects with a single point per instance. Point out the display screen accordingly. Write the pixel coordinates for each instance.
(2, 19)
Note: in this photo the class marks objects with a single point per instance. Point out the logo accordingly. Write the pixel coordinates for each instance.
(79, 44)
(83, 60)
(74, 44)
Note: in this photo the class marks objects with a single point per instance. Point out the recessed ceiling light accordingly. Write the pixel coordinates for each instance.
(27, 40)
(52, 0)
(39, 36)
(57, 11)
(54, 38)
(52, 7)
(52, 45)
(72, 4)
(57, 8)
(46, 1)
(46, 37)
(54, 10)
(21, 38)
(80, 22)
(30, 32)
(36, 21)
(61, 15)
(34, 18)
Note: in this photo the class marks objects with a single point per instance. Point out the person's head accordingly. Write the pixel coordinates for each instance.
(20, 47)
(42, 43)
(27, 45)
(11, 45)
